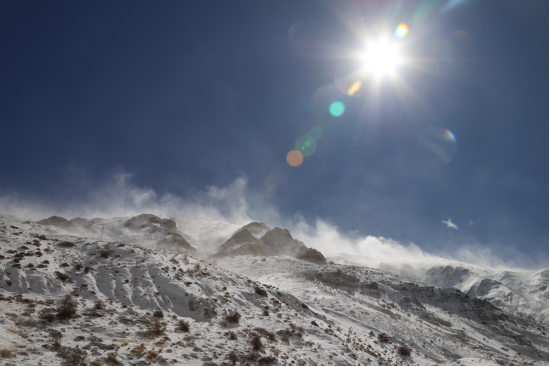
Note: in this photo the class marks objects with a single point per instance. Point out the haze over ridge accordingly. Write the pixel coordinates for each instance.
(121, 198)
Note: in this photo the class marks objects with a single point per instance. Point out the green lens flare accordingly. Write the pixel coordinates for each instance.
(336, 108)
(306, 145)
(316, 132)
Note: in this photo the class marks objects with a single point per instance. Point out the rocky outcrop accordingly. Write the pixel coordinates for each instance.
(241, 243)
(279, 242)
(257, 229)
(313, 256)
(144, 220)
(175, 242)
(275, 242)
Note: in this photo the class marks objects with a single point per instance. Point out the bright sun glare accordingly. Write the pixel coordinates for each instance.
(381, 58)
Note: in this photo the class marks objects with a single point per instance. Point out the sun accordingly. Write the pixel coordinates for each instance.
(381, 58)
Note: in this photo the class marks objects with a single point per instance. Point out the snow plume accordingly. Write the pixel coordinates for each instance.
(407, 260)
(118, 197)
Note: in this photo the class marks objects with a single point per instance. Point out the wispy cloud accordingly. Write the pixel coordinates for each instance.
(119, 197)
(450, 224)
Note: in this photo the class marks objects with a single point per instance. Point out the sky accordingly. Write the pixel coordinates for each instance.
(422, 122)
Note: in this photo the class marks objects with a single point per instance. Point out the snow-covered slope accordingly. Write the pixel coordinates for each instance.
(440, 325)
(293, 312)
(522, 292)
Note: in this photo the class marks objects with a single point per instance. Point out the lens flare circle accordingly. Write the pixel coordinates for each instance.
(401, 30)
(316, 132)
(337, 108)
(322, 100)
(436, 146)
(306, 145)
(294, 158)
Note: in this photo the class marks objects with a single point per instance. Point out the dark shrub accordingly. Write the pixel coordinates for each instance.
(55, 336)
(66, 308)
(66, 244)
(99, 305)
(314, 323)
(233, 358)
(154, 329)
(267, 361)
(383, 338)
(78, 267)
(232, 336)
(158, 313)
(404, 351)
(62, 277)
(112, 360)
(47, 315)
(256, 343)
(183, 326)
(266, 313)
(232, 316)
(269, 335)
(106, 251)
(64, 265)
(72, 356)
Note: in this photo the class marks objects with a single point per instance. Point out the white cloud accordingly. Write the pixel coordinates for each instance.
(470, 223)
(450, 224)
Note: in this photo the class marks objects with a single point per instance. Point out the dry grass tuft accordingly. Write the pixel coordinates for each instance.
(233, 358)
(66, 244)
(6, 352)
(232, 316)
(383, 338)
(256, 343)
(67, 307)
(404, 351)
(154, 329)
(55, 337)
(72, 356)
(158, 313)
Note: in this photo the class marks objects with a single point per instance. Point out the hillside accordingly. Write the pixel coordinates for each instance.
(523, 293)
(291, 311)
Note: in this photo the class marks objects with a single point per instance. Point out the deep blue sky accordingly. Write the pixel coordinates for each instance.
(184, 94)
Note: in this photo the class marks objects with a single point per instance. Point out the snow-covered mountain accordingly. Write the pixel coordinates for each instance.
(521, 292)
(277, 308)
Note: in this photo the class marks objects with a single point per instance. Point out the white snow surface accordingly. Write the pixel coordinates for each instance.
(302, 313)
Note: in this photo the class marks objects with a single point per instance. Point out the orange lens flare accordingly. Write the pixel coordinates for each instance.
(294, 158)
(356, 87)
